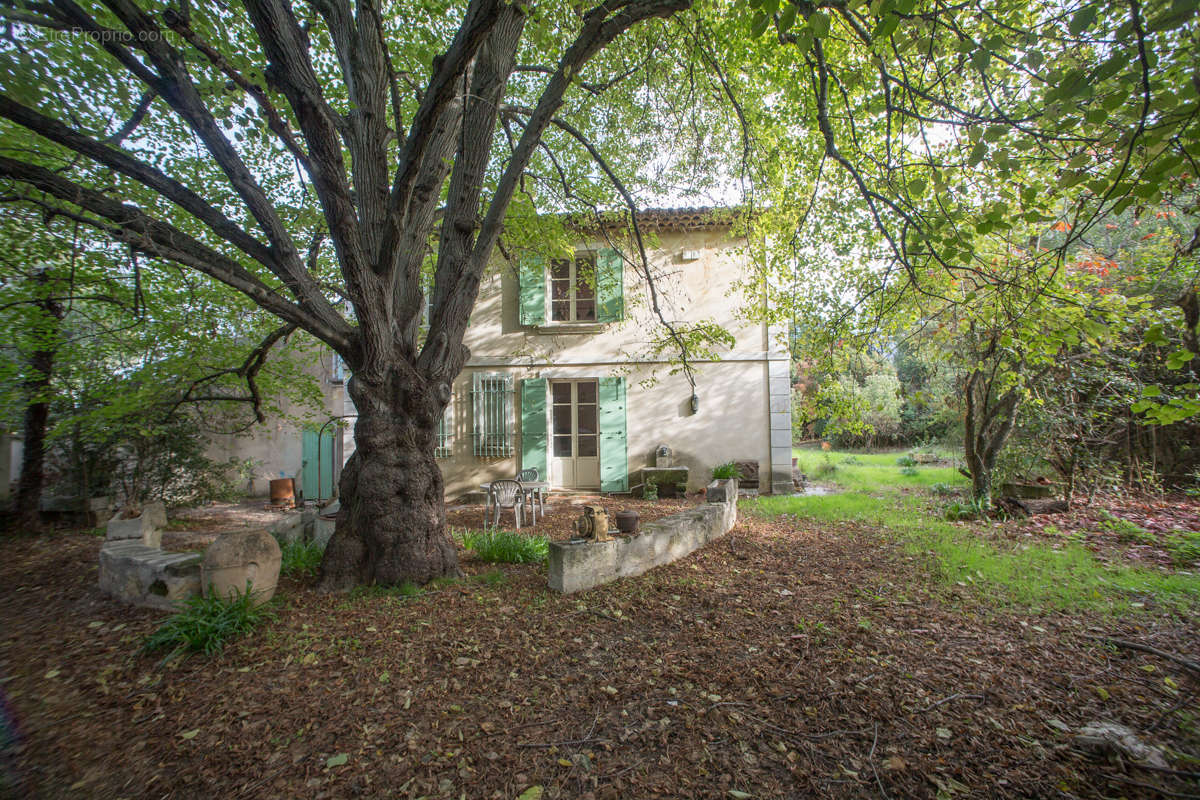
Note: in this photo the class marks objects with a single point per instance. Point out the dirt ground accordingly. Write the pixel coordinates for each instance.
(784, 660)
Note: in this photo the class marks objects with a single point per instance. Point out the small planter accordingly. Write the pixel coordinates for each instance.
(240, 562)
(627, 521)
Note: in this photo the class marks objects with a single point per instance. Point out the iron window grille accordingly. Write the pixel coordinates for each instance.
(491, 400)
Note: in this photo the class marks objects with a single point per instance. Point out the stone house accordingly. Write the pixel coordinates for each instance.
(569, 374)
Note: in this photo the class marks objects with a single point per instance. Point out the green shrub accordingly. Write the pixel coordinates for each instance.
(910, 472)
(725, 471)
(1184, 548)
(851, 460)
(825, 468)
(906, 461)
(943, 489)
(508, 547)
(650, 490)
(204, 624)
(1125, 530)
(963, 511)
(300, 558)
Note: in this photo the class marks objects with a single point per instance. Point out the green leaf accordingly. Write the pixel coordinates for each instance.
(819, 22)
(1154, 335)
(338, 760)
(532, 793)
(788, 18)
(1151, 391)
(978, 153)
(1082, 20)
(1179, 358)
(759, 24)
(916, 187)
(1178, 15)
(885, 27)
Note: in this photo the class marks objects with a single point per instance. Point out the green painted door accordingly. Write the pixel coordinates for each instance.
(309, 471)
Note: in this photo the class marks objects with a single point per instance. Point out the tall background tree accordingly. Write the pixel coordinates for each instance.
(116, 367)
(921, 163)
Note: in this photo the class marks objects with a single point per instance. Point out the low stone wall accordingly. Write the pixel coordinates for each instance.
(146, 576)
(575, 567)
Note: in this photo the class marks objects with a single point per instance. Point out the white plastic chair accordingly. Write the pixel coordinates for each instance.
(508, 494)
(536, 501)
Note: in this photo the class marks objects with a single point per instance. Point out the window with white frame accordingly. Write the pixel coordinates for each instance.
(573, 289)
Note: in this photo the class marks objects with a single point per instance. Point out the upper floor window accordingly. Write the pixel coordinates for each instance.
(572, 289)
(587, 288)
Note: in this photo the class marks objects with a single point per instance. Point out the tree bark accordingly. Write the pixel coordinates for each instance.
(27, 504)
(391, 526)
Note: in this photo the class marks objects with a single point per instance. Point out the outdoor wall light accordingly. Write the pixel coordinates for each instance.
(695, 403)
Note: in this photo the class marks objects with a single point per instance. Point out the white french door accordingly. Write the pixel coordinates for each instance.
(574, 435)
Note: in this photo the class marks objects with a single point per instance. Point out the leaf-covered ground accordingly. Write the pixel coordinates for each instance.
(791, 658)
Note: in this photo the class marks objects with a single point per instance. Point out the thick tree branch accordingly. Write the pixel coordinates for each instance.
(143, 173)
(159, 238)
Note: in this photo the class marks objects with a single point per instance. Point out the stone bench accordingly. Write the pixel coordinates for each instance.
(147, 576)
(582, 565)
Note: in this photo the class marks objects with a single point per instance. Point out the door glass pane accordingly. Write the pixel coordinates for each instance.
(562, 419)
(587, 419)
(561, 393)
(560, 269)
(587, 445)
(585, 310)
(587, 392)
(583, 286)
(560, 310)
(562, 446)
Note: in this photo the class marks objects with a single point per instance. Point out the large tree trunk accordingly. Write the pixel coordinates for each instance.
(392, 524)
(987, 425)
(27, 504)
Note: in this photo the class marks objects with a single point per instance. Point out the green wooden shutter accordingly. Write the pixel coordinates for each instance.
(534, 440)
(532, 275)
(614, 460)
(610, 286)
(309, 470)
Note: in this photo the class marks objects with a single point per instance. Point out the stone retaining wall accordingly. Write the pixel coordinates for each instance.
(575, 567)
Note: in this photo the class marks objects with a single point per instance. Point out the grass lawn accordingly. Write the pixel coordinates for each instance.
(880, 493)
(846, 646)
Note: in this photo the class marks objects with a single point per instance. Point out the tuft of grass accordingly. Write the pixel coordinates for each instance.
(492, 578)
(300, 559)
(1066, 576)
(725, 471)
(205, 624)
(507, 547)
(906, 461)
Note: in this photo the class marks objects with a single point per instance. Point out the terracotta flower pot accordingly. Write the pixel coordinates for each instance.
(627, 521)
